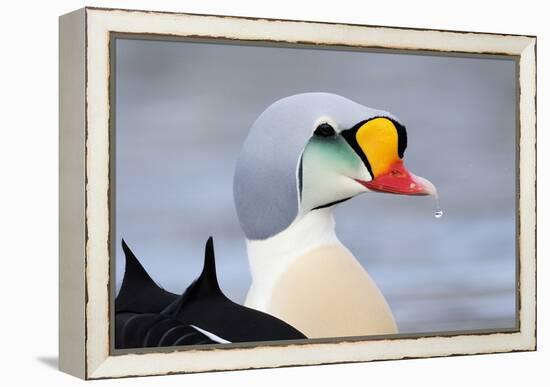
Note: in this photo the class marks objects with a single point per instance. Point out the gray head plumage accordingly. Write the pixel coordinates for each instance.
(265, 184)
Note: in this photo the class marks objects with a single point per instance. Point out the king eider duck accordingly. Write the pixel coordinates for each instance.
(303, 155)
(146, 315)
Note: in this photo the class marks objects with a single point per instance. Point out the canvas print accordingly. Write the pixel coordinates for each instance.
(282, 194)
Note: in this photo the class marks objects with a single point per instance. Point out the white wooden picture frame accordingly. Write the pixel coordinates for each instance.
(86, 293)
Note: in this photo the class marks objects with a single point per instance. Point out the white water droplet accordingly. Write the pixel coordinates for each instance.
(432, 191)
(438, 211)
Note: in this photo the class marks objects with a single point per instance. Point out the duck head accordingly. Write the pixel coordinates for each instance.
(314, 150)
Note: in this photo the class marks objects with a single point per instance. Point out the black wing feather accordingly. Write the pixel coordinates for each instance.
(138, 292)
(149, 316)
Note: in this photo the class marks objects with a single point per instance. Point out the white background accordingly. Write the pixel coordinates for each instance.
(28, 195)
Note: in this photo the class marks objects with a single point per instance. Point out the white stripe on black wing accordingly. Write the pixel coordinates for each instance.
(211, 336)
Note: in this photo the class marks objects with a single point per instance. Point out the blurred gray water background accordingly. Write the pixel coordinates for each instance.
(184, 109)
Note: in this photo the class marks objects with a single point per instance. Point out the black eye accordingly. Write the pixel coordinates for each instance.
(324, 130)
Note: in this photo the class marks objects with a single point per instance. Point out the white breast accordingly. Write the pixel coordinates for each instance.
(307, 278)
(269, 259)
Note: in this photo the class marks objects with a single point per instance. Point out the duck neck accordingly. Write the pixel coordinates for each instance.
(271, 256)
